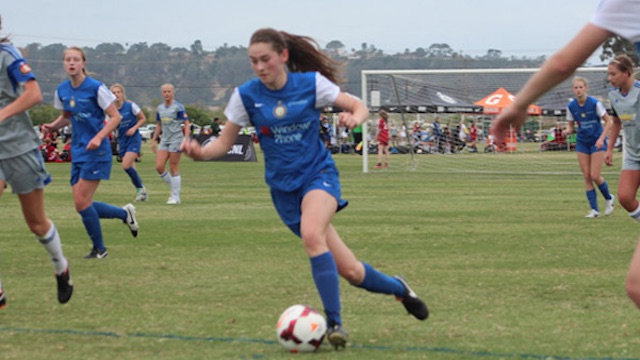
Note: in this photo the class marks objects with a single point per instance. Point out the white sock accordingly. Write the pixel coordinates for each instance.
(51, 242)
(167, 178)
(176, 183)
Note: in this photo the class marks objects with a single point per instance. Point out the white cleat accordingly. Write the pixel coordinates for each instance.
(131, 221)
(173, 201)
(141, 195)
(593, 214)
(609, 207)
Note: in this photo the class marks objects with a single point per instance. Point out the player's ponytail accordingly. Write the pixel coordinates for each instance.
(304, 52)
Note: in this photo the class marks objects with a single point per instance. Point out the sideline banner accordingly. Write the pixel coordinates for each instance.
(242, 150)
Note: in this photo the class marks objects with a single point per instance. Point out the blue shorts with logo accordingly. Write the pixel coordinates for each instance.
(129, 144)
(90, 171)
(289, 203)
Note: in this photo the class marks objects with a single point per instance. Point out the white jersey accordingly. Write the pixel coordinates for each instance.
(620, 17)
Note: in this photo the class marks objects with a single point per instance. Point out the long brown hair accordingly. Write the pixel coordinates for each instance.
(304, 52)
(623, 63)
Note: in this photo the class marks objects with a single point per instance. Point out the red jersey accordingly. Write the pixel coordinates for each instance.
(383, 132)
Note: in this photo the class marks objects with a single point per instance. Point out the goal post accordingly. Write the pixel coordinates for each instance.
(453, 96)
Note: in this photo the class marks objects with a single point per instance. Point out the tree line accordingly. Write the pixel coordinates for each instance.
(205, 79)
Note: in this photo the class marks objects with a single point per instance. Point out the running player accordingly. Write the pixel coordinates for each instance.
(173, 126)
(21, 164)
(284, 106)
(591, 143)
(84, 102)
(129, 140)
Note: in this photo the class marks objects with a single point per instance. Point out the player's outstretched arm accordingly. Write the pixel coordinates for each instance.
(214, 149)
(29, 98)
(555, 70)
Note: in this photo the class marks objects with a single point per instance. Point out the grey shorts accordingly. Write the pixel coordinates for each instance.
(170, 147)
(25, 173)
(630, 164)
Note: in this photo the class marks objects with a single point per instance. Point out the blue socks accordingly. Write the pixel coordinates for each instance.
(593, 202)
(378, 282)
(604, 189)
(106, 211)
(91, 222)
(135, 178)
(325, 275)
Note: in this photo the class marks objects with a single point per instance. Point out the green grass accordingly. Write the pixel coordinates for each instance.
(508, 265)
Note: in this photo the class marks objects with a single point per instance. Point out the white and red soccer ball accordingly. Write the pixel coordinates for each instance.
(301, 328)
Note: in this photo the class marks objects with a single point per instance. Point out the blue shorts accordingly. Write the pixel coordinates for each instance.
(129, 144)
(589, 147)
(90, 171)
(288, 203)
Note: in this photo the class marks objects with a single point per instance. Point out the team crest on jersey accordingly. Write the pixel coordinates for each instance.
(583, 115)
(25, 68)
(72, 102)
(280, 110)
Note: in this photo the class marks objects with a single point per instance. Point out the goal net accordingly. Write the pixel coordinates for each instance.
(456, 99)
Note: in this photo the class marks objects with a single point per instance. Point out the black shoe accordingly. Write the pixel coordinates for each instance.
(65, 286)
(337, 336)
(96, 254)
(3, 299)
(412, 302)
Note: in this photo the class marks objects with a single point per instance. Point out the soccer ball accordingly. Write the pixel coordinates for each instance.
(301, 328)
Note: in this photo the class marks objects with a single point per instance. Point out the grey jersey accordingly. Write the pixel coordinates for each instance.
(627, 108)
(172, 118)
(16, 133)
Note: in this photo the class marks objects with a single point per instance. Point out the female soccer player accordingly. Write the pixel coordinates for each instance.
(173, 124)
(129, 140)
(305, 189)
(591, 143)
(21, 164)
(383, 140)
(613, 17)
(83, 102)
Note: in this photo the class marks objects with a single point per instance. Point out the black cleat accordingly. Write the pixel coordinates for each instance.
(96, 254)
(414, 305)
(65, 286)
(337, 336)
(3, 299)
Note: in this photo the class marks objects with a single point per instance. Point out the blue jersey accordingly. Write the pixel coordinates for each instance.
(85, 107)
(129, 112)
(287, 123)
(588, 117)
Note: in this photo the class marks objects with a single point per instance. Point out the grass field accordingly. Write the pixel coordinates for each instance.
(507, 263)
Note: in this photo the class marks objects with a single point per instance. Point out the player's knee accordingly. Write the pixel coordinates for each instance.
(353, 273)
(39, 227)
(632, 286)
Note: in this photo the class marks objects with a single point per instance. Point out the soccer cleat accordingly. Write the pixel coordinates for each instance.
(141, 194)
(593, 214)
(3, 299)
(414, 305)
(337, 336)
(173, 201)
(65, 286)
(131, 221)
(96, 254)
(609, 207)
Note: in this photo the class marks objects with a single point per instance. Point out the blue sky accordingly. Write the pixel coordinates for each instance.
(516, 27)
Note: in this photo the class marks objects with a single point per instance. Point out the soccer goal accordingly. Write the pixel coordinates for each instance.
(458, 97)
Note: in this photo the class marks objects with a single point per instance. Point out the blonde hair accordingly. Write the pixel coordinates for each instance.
(119, 86)
(581, 79)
